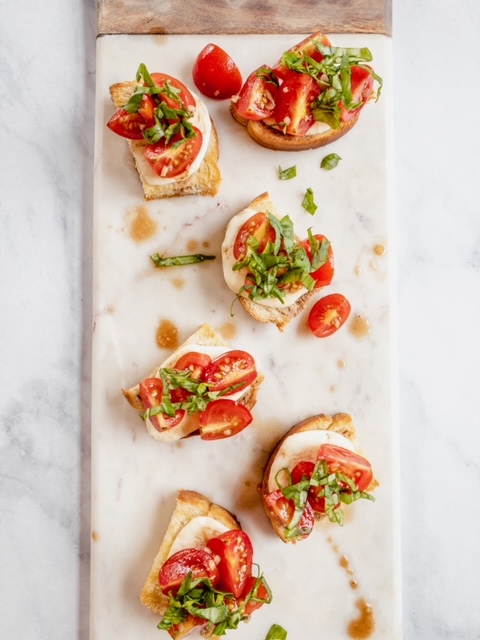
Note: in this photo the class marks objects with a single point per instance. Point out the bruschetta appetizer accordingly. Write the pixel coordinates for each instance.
(312, 474)
(312, 96)
(204, 388)
(203, 580)
(273, 272)
(170, 134)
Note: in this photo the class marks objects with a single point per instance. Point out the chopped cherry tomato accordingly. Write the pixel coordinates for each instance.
(147, 110)
(362, 87)
(328, 315)
(284, 512)
(233, 554)
(308, 47)
(128, 125)
(260, 228)
(215, 73)
(347, 462)
(195, 361)
(255, 100)
(151, 394)
(163, 80)
(185, 627)
(323, 276)
(170, 160)
(254, 600)
(222, 419)
(198, 562)
(304, 470)
(234, 368)
(292, 111)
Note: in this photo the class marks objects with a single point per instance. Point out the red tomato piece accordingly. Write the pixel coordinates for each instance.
(362, 87)
(349, 463)
(292, 111)
(185, 627)
(258, 226)
(151, 394)
(234, 368)
(147, 110)
(184, 94)
(328, 315)
(128, 125)
(170, 160)
(194, 361)
(215, 73)
(254, 601)
(233, 555)
(308, 47)
(256, 98)
(323, 276)
(198, 562)
(283, 511)
(222, 419)
(304, 471)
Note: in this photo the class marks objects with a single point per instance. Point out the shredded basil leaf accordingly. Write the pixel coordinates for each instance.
(276, 633)
(330, 162)
(178, 261)
(309, 202)
(287, 174)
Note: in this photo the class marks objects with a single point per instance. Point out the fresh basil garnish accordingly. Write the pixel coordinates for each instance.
(308, 202)
(330, 162)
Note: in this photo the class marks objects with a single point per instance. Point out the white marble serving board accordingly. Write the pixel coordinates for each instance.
(135, 479)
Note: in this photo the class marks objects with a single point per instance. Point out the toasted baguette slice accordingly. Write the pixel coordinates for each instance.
(280, 316)
(204, 336)
(206, 181)
(340, 423)
(189, 505)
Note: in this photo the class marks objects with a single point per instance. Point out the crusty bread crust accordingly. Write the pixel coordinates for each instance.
(189, 505)
(341, 423)
(280, 316)
(206, 181)
(206, 336)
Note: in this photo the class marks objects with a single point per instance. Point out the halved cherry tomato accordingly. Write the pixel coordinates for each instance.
(328, 315)
(308, 47)
(169, 161)
(195, 361)
(215, 73)
(283, 511)
(185, 627)
(233, 554)
(304, 470)
(222, 419)
(347, 462)
(362, 87)
(234, 368)
(198, 562)
(161, 80)
(260, 228)
(147, 110)
(128, 125)
(254, 601)
(323, 276)
(256, 100)
(151, 394)
(292, 110)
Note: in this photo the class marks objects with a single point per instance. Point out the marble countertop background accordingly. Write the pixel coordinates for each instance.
(47, 132)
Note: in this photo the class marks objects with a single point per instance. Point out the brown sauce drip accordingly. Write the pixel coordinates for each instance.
(143, 226)
(379, 249)
(360, 326)
(95, 536)
(364, 625)
(228, 330)
(178, 283)
(192, 246)
(167, 335)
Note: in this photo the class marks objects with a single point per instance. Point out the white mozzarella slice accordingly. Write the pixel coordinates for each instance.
(196, 533)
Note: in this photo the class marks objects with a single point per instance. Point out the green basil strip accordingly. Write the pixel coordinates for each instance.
(178, 261)
(276, 633)
(330, 162)
(309, 202)
(287, 174)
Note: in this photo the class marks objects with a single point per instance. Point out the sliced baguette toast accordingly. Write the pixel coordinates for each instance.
(205, 336)
(206, 181)
(280, 316)
(189, 505)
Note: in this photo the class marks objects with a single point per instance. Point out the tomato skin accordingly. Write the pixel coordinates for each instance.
(128, 125)
(215, 73)
(258, 226)
(282, 510)
(194, 361)
(328, 314)
(170, 162)
(176, 568)
(223, 418)
(233, 553)
(161, 79)
(323, 276)
(256, 98)
(347, 462)
(262, 594)
(304, 470)
(292, 110)
(235, 367)
(362, 87)
(185, 627)
(151, 394)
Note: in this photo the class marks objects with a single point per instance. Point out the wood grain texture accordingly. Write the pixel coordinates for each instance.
(244, 16)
